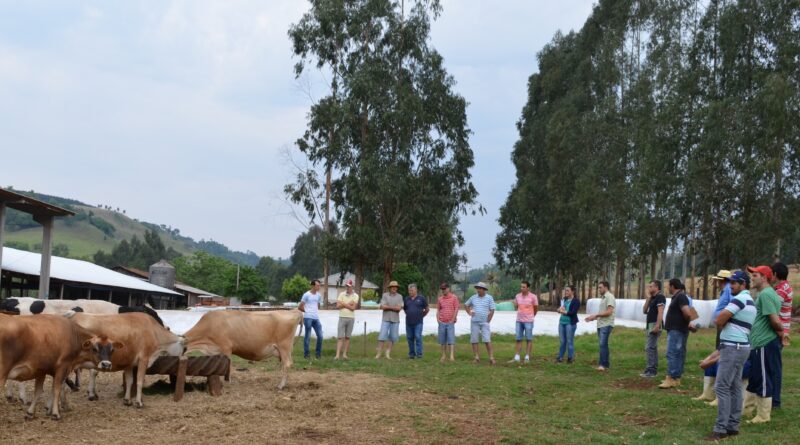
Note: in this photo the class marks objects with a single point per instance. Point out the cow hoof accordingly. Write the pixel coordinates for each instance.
(10, 399)
(126, 402)
(56, 417)
(138, 404)
(28, 416)
(94, 397)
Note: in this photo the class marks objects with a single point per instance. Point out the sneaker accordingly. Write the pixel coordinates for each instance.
(732, 432)
(715, 437)
(527, 359)
(513, 361)
(601, 369)
(569, 360)
(647, 375)
(559, 360)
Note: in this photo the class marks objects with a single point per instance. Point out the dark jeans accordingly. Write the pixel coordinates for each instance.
(676, 352)
(652, 353)
(414, 337)
(777, 379)
(308, 324)
(566, 333)
(605, 355)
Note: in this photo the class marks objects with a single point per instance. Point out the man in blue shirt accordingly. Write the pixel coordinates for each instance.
(481, 308)
(309, 305)
(416, 308)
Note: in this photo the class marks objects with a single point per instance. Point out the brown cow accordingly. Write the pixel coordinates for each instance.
(145, 340)
(250, 335)
(34, 347)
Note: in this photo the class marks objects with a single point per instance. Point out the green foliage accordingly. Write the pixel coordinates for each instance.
(103, 225)
(218, 275)
(405, 274)
(18, 245)
(274, 272)
(61, 250)
(307, 253)
(135, 253)
(293, 288)
(369, 295)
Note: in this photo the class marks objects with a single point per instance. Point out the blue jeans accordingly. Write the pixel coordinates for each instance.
(414, 337)
(308, 324)
(605, 355)
(566, 332)
(676, 352)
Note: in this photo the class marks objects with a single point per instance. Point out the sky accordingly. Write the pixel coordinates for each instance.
(184, 113)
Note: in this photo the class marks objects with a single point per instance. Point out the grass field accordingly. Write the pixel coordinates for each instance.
(546, 402)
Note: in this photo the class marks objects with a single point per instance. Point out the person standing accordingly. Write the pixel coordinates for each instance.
(605, 323)
(735, 321)
(309, 305)
(447, 307)
(481, 308)
(654, 308)
(679, 315)
(416, 308)
(567, 323)
(391, 304)
(780, 274)
(346, 303)
(527, 305)
(765, 343)
(710, 363)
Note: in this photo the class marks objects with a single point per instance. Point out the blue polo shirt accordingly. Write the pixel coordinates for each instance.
(414, 307)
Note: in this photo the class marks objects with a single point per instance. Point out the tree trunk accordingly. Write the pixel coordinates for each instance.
(683, 261)
(641, 279)
(672, 263)
(653, 267)
(327, 226)
(359, 272)
(694, 264)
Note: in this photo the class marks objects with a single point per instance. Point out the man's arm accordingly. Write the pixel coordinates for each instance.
(659, 320)
(302, 306)
(776, 324)
(686, 311)
(646, 304)
(723, 317)
(607, 312)
(491, 314)
(426, 309)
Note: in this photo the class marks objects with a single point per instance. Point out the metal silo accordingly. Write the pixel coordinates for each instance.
(163, 274)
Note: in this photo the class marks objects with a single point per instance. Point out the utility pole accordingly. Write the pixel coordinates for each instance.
(237, 278)
(466, 286)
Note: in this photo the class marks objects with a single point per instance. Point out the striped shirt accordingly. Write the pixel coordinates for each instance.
(737, 329)
(784, 290)
(481, 306)
(447, 308)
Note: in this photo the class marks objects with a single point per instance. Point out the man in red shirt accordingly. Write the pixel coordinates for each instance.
(780, 273)
(447, 307)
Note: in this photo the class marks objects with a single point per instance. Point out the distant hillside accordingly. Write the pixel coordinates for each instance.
(101, 227)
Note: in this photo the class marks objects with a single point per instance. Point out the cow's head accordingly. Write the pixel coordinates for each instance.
(101, 349)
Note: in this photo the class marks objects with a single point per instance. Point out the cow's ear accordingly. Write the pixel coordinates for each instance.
(118, 345)
(87, 344)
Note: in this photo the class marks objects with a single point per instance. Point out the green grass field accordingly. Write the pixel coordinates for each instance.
(546, 402)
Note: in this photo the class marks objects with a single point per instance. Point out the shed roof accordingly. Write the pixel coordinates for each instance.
(30, 205)
(76, 271)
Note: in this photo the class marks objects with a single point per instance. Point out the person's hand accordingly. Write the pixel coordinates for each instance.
(785, 340)
(692, 328)
(591, 318)
(655, 331)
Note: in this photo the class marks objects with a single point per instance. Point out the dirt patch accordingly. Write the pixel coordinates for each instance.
(333, 407)
(634, 383)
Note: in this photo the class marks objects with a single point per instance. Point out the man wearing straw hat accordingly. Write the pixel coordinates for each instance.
(391, 304)
(481, 308)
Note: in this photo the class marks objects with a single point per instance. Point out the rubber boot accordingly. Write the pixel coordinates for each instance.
(708, 394)
(764, 408)
(748, 403)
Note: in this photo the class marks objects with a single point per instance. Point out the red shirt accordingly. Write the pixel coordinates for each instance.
(784, 290)
(447, 308)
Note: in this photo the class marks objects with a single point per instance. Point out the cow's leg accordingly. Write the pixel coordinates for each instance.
(58, 382)
(141, 372)
(286, 363)
(37, 393)
(92, 385)
(10, 391)
(23, 394)
(77, 379)
(128, 378)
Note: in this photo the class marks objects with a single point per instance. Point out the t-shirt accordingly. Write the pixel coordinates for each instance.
(564, 318)
(607, 301)
(481, 306)
(414, 307)
(724, 299)
(311, 309)
(344, 298)
(767, 303)
(525, 306)
(652, 311)
(447, 308)
(675, 319)
(390, 299)
(737, 329)
(784, 291)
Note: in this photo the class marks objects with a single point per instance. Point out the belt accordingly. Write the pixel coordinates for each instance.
(734, 344)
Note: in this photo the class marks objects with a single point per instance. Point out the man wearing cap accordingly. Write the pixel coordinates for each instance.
(447, 314)
(391, 304)
(765, 344)
(734, 322)
(309, 306)
(605, 323)
(679, 315)
(654, 308)
(780, 273)
(416, 308)
(527, 305)
(481, 308)
(710, 364)
(346, 303)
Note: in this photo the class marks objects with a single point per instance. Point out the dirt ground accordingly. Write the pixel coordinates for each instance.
(334, 407)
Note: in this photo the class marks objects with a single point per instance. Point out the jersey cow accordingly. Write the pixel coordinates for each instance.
(249, 335)
(145, 340)
(34, 347)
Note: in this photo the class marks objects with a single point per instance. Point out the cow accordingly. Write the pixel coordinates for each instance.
(249, 335)
(145, 340)
(34, 347)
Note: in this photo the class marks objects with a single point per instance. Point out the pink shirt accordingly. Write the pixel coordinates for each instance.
(525, 306)
(784, 290)
(447, 308)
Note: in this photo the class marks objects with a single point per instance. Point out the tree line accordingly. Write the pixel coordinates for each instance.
(662, 131)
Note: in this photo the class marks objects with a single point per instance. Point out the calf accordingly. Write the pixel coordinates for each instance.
(34, 347)
(250, 335)
(145, 340)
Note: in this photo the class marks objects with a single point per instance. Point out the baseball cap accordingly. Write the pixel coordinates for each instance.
(349, 283)
(763, 270)
(740, 277)
(444, 286)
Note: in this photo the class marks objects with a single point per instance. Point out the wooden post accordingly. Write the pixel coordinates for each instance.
(2, 240)
(180, 380)
(61, 292)
(365, 339)
(44, 273)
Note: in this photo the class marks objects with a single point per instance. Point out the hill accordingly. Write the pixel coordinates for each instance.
(96, 228)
